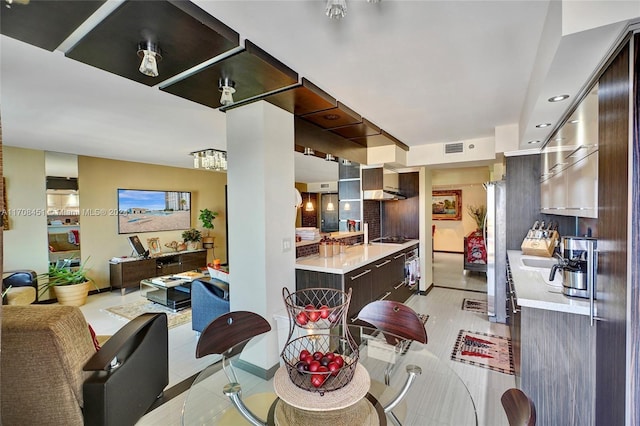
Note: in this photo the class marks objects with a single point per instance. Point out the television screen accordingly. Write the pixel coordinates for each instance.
(137, 246)
(153, 211)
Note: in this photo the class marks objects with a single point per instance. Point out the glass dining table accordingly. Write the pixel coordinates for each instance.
(437, 396)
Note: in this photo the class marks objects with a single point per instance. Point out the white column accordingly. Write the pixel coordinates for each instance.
(426, 241)
(261, 217)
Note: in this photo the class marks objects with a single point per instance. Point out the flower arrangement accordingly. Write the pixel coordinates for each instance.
(478, 214)
(192, 235)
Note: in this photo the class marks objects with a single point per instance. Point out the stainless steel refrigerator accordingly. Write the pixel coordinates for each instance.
(495, 238)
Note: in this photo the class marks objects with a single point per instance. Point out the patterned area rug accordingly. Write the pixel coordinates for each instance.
(474, 305)
(484, 350)
(132, 310)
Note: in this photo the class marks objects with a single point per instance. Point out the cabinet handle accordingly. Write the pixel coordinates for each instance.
(514, 307)
(360, 274)
(399, 285)
(398, 256)
(383, 263)
(385, 296)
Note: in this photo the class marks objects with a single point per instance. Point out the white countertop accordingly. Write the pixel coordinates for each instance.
(353, 258)
(337, 235)
(534, 291)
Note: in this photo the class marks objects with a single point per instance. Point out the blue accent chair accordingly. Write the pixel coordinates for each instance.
(208, 302)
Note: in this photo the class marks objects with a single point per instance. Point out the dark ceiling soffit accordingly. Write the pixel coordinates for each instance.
(319, 154)
(185, 40)
(253, 70)
(302, 99)
(359, 130)
(310, 135)
(45, 24)
(332, 118)
(382, 139)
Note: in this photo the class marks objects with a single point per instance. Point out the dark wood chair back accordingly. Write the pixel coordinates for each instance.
(395, 318)
(228, 334)
(519, 408)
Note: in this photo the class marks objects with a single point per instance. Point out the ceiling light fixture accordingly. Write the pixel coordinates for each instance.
(309, 151)
(336, 9)
(543, 125)
(558, 98)
(210, 159)
(227, 87)
(309, 206)
(329, 157)
(346, 162)
(150, 54)
(532, 142)
(330, 206)
(347, 206)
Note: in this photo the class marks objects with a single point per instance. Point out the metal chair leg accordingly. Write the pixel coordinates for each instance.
(234, 391)
(412, 372)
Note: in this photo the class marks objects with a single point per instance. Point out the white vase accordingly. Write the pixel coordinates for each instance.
(192, 245)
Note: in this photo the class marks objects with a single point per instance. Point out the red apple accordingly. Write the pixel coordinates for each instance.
(330, 355)
(339, 360)
(324, 311)
(317, 380)
(314, 366)
(303, 354)
(302, 318)
(323, 369)
(334, 368)
(312, 313)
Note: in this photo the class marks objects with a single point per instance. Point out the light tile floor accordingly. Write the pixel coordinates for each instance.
(446, 319)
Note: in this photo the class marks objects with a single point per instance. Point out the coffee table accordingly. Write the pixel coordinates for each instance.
(174, 296)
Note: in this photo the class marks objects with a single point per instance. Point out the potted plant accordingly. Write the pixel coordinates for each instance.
(478, 214)
(207, 217)
(70, 284)
(192, 237)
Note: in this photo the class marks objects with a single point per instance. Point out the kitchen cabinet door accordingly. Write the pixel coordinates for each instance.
(360, 281)
(582, 191)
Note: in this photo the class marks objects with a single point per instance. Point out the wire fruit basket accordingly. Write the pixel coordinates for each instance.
(316, 308)
(321, 362)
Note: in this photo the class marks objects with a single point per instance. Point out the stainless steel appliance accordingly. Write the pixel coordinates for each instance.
(578, 263)
(495, 238)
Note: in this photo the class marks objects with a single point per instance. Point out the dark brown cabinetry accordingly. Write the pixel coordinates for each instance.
(128, 274)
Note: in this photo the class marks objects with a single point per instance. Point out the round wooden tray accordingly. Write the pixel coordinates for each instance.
(344, 397)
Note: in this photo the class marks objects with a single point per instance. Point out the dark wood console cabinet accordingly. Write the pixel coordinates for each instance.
(128, 274)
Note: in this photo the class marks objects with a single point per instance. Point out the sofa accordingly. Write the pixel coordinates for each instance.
(60, 246)
(21, 286)
(209, 300)
(51, 372)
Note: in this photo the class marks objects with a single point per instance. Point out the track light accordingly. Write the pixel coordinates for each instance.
(309, 151)
(227, 87)
(150, 54)
(336, 9)
(329, 157)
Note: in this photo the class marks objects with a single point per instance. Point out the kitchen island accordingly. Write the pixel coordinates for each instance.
(373, 271)
(554, 342)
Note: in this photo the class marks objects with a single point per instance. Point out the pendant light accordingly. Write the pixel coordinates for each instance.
(330, 206)
(309, 206)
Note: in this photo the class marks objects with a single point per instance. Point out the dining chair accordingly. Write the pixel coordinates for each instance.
(227, 336)
(520, 409)
(400, 325)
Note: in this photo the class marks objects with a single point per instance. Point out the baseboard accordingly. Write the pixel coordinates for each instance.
(255, 370)
(426, 291)
(446, 251)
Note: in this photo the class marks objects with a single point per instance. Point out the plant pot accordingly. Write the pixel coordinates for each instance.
(72, 295)
(207, 242)
(192, 245)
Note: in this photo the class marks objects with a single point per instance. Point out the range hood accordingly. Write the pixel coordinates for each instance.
(381, 184)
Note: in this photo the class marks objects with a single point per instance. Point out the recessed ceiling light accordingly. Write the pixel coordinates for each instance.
(532, 142)
(574, 121)
(542, 125)
(558, 98)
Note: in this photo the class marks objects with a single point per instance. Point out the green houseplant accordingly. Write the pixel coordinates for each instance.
(478, 214)
(207, 217)
(192, 237)
(70, 284)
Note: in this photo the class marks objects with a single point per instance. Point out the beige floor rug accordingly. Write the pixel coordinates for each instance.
(484, 350)
(132, 310)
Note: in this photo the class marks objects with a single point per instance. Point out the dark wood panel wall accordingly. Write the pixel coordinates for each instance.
(401, 217)
(523, 201)
(613, 135)
(634, 267)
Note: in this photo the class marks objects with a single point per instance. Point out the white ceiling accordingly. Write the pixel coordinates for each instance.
(424, 71)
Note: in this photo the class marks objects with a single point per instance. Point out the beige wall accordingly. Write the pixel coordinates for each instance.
(98, 181)
(25, 243)
(450, 234)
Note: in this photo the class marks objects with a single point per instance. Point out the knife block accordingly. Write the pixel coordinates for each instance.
(540, 246)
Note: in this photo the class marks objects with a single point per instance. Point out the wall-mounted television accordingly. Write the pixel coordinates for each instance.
(153, 211)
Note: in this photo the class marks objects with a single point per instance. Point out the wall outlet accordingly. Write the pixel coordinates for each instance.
(286, 245)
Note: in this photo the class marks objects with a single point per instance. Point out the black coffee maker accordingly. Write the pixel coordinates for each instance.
(578, 263)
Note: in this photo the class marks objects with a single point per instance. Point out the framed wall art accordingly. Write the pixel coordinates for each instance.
(446, 205)
(154, 246)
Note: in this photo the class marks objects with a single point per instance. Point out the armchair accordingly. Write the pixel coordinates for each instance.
(208, 302)
(51, 373)
(24, 287)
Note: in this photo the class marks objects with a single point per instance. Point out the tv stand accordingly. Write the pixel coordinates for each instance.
(128, 274)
